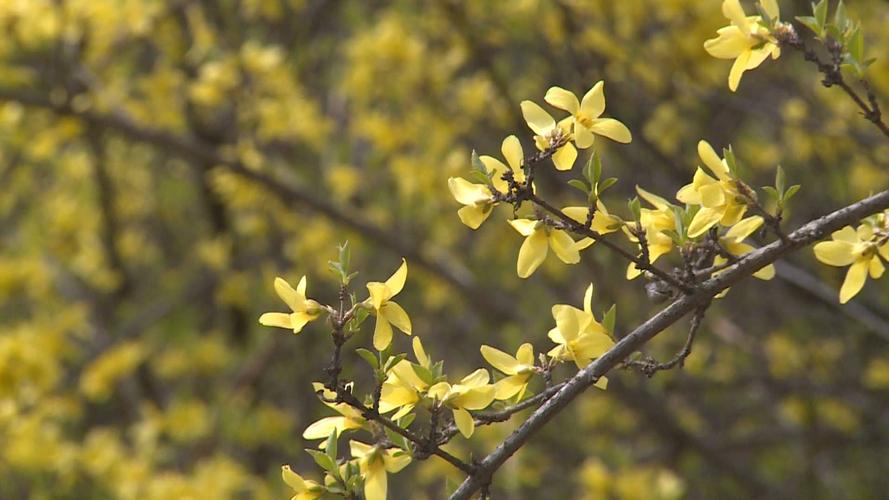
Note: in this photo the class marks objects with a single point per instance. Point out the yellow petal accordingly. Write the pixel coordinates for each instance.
(757, 56)
(508, 387)
(379, 293)
(299, 319)
(729, 44)
(765, 273)
(375, 481)
(703, 220)
(396, 315)
(655, 200)
(512, 151)
(740, 231)
(525, 227)
(324, 428)
(562, 99)
(396, 282)
(835, 253)
(382, 333)
(537, 118)
(738, 68)
(583, 137)
(500, 360)
(359, 449)
(593, 103)
(884, 251)
(464, 422)
(854, 281)
(845, 234)
(588, 300)
(293, 479)
(281, 320)
(525, 354)
(291, 297)
(567, 325)
(732, 9)
(477, 378)
(712, 160)
(473, 216)
(563, 246)
(532, 253)
(565, 157)
(602, 383)
(476, 399)
(612, 129)
(394, 463)
(771, 8)
(876, 268)
(419, 352)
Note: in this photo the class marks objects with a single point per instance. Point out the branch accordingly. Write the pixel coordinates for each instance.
(746, 265)
(650, 366)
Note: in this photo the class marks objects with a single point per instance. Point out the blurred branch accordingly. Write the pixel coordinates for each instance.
(746, 266)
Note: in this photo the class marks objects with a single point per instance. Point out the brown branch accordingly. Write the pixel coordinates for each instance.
(651, 366)
(746, 266)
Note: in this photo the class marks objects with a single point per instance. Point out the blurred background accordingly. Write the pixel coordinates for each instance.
(162, 161)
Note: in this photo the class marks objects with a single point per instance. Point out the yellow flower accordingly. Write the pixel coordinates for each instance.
(585, 115)
(746, 40)
(303, 489)
(349, 418)
(388, 313)
(550, 134)
(477, 199)
(539, 238)
(859, 249)
(719, 198)
(518, 369)
(304, 310)
(579, 336)
(733, 242)
(403, 388)
(375, 462)
(472, 393)
(654, 222)
(512, 152)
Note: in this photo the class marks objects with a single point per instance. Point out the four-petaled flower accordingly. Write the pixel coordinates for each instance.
(303, 309)
(477, 199)
(733, 242)
(518, 369)
(403, 388)
(859, 249)
(375, 462)
(539, 238)
(512, 152)
(746, 40)
(388, 313)
(585, 115)
(472, 393)
(655, 222)
(551, 135)
(303, 489)
(349, 418)
(579, 336)
(719, 198)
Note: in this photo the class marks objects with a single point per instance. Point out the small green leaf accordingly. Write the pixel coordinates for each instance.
(368, 356)
(840, 19)
(772, 192)
(588, 170)
(406, 421)
(635, 208)
(477, 164)
(779, 179)
(679, 221)
(580, 185)
(323, 461)
(820, 11)
(792, 190)
(477, 177)
(330, 446)
(810, 22)
(609, 319)
(424, 374)
(856, 44)
(597, 168)
(607, 183)
(732, 163)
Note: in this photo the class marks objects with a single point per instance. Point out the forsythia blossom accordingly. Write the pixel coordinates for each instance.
(375, 462)
(472, 393)
(550, 134)
(579, 336)
(304, 310)
(403, 388)
(861, 250)
(518, 369)
(349, 418)
(733, 242)
(388, 313)
(539, 238)
(719, 198)
(746, 40)
(585, 114)
(303, 489)
(477, 199)
(654, 222)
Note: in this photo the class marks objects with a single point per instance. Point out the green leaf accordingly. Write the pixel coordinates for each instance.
(856, 44)
(607, 183)
(779, 180)
(597, 167)
(424, 374)
(477, 177)
(810, 22)
(609, 319)
(732, 163)
(679, 221)
(840, 19)
(588, 170)
(635, 208)
(477, 164)
(772, 192)
(820, 11)
(330, 446)
(368, 356)
(345, 255)
(394, 360)
(580, 185)
(323, 461)
(792, 190)
(406, 421)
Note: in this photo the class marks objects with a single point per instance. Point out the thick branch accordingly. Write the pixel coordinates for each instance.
(746, 266)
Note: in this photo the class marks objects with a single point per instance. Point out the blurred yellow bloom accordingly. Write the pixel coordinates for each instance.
(719, 198)
(304, 310)
(472, 393)
(858, 249)
(375, 462)
(746, 40)
(518, 369)
(550, 134)
(388, 313)
(654, 222)
(733, 242)
(539, 238)
(585, 115)
(349, 418)
(303, 489)
(579, 336)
